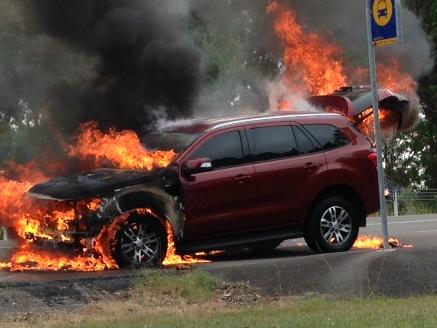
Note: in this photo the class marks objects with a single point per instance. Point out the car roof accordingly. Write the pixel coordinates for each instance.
(202, 125)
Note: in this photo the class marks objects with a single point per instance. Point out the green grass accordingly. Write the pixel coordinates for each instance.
(192, 286)
(192, 299)
(316, 312)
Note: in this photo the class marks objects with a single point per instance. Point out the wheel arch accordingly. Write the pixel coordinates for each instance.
(158, 201)
(346, 192)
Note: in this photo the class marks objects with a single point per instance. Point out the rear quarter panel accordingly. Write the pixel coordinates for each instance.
(350, 166)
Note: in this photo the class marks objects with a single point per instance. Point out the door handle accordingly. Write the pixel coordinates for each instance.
(311, 166)
(242, 178)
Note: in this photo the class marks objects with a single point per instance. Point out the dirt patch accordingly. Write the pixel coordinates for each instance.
(54, 302)
(47, 296)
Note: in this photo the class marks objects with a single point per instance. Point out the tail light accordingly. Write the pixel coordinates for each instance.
(373, 157)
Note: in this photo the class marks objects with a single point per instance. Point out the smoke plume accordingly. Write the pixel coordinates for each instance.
(106, 60)
(255, 62)
(120, 62)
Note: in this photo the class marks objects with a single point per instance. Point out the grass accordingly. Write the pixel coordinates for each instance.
(314, 312)
(191, 287)
(193, 299)
(417, 312)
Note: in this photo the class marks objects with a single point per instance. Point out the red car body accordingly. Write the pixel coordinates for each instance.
(241, 181)
(274, 194)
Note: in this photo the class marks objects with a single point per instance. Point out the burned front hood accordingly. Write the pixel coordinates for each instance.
(89, 184)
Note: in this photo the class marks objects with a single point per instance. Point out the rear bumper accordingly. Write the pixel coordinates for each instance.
(371, 201)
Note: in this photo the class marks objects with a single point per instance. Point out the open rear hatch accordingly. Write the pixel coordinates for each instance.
(397, 113)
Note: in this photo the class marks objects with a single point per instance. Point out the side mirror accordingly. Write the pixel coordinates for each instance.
(197, 165)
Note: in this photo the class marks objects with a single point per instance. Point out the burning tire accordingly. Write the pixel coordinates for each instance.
(141, 242)
(332, 226)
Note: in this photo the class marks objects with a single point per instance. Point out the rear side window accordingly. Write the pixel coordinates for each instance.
(274, 142)
(224, 150)
(304, 143)
(328, 136)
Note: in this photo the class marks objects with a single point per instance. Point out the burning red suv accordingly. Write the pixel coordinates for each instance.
(243, 181)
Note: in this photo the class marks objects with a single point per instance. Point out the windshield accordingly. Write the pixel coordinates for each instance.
(166, 141)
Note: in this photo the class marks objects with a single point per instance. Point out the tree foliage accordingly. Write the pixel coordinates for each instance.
(412, 158)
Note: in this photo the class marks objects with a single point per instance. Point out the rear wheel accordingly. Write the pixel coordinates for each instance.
(141, 242)
(332, 226)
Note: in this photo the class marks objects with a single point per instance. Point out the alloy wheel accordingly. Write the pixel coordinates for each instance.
(336, 225)
(139, 243)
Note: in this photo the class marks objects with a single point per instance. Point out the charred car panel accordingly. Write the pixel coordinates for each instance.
(120, 190)
(94, 183)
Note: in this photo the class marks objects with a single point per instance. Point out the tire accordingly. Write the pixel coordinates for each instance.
(267, 245)
(141, 242)
(332, 226)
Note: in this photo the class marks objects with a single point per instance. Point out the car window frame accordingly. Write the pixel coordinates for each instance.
(252, 146)
(208, 136)
(310, 137)
(317, 141)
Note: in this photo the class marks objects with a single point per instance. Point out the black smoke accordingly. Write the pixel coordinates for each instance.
(131, 56)
(118, 62)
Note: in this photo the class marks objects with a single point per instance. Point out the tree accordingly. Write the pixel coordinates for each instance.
(427, 136)
(403, 159)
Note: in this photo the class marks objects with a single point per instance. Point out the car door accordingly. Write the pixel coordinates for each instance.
(221, 200)
(282, 172)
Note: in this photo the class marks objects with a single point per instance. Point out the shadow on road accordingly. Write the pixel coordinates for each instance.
(242, 254)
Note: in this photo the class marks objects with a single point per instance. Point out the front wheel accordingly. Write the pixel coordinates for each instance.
(332, 226)
(141, 242)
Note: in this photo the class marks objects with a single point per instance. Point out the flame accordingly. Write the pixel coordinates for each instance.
(24, 215)
(314, 65)
(391, 76)
(34, 220)
(172, 258)
(375, 242)
(388, 119)
(29, 258)
(120, 149)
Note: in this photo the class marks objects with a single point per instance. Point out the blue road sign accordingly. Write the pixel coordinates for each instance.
(386, 21)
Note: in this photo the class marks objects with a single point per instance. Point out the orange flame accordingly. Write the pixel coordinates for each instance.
(32, 219)
(391, 76)
(29, 258)
(388, 119)
(314, 65)
(120, 149)
(375, 242)
(172, 258)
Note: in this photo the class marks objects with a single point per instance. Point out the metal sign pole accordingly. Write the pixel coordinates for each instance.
(378, 138)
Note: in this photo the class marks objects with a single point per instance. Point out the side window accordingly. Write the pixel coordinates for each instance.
(304, 143)
(223, 150)
(274, 142)
(328, 136)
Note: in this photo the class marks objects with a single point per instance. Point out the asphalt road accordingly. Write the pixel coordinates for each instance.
(421, 230)
(293, 269)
